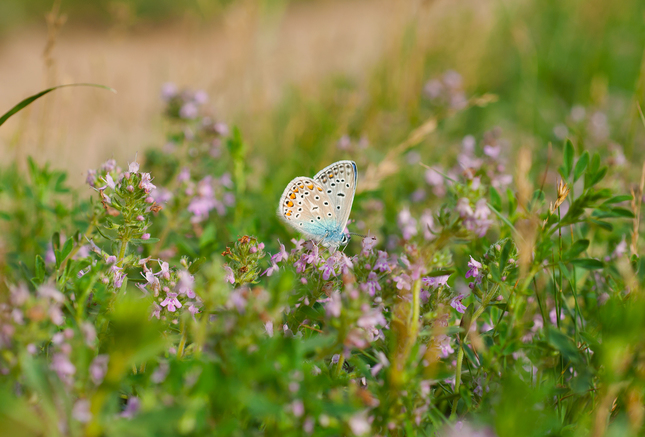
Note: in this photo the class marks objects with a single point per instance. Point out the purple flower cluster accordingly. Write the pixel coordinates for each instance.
(489, 165)
(177, 286)
(446, 91)
(475, 219)
(183, 104)
(207, 195)
(409, 226)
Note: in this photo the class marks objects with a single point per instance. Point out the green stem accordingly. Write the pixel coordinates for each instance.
(122, 249)
(460, 353)
(413, 331)
(182, 342)
(460, 359)
(339, 365)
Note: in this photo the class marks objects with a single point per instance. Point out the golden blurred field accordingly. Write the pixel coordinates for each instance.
(244, 59)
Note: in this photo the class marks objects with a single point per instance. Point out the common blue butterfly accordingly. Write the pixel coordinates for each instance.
(319, 207)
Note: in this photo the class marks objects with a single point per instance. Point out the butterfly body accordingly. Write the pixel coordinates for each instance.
(319, 207)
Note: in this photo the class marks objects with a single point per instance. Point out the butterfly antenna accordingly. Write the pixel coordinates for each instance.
(358, 235)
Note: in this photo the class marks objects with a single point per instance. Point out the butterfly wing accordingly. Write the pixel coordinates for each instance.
(339, 182)
(306, 206)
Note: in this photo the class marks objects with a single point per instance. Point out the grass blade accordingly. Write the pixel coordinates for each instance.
(26, 102)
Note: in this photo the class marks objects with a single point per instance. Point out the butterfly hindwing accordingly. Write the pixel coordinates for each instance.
(339, 182)
(307, 207)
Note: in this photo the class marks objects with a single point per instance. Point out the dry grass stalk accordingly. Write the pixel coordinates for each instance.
(563, 192)
(55, 20)
(637, 199)
(524, 185)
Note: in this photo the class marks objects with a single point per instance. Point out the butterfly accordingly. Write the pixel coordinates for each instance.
(319, 207)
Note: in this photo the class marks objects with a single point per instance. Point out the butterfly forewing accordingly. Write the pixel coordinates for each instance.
(339, 182)
(307, 207)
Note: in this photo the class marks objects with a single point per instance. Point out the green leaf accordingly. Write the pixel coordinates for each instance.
(56, 241)
(622, 212)
(591, 174)
(599, 176)
(581, 165)
(567, 164)
(66, 250)
(618, 199)
(26, 102)
(140, 241)
(563, 344)
(471, 356)
(512, 201)
(40, 269)
(538, 196)
(595, 163)
(495, 199)
(502, 218)
(606, 226)
(588, 263)
(208, 236)
(505, 254)
(576, 249)
(196, 265)
(612, 213)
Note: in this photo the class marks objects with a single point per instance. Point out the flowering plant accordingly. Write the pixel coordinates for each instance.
(169, 302)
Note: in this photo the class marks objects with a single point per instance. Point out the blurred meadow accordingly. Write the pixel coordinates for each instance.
(500, 149)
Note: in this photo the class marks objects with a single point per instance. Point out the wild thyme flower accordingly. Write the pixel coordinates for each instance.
(407, 224)
(132, 407)
(271, 270)
(312, 256)
(368, 245)
(328, 268)
(98, 368)
(171, 302)
(230, 276)
(81, 411)
(446, 91)
(473, 271)
(185, 283)
(382, 362)
(381, 263)
(435, 281)
(282, 255)
(63, 367)
(456, 304)
(403, 281)
(372, 284)
(334, 305)
(204, 201)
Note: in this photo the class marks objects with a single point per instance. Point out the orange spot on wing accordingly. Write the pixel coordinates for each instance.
(289, 203)
(310, 186)
(292, 195)
(319, 189)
